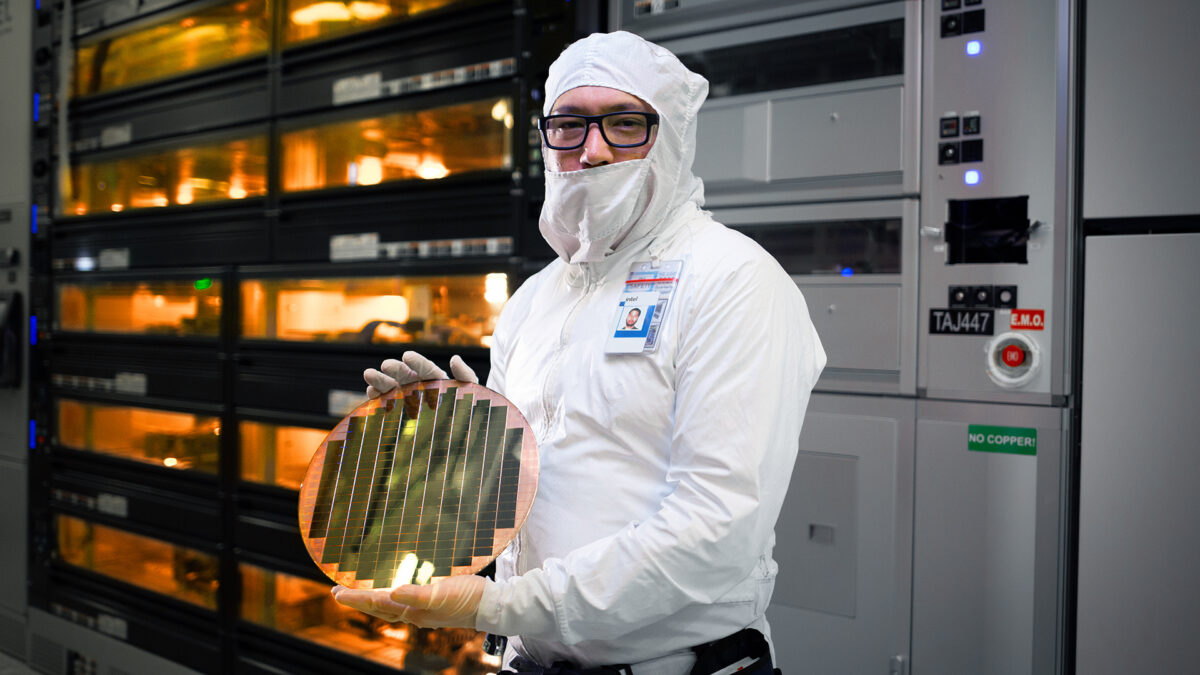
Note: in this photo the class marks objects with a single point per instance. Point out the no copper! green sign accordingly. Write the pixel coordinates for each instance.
(1012, 440)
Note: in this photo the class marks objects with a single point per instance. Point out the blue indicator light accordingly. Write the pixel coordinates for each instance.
(33, 220)
(847, 272)
(974, 47)
(32, 435)
(971, 177)
(33, 329)
(36, 99)
(38, 4)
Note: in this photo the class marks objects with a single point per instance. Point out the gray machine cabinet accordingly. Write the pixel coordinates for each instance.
(844, 139)
(57, 644)
(844, 539)
(13, 488)
(16, 124)
(658, 19)
(1139, 546)
(987, 543)
(867, 322)
(1140, 57)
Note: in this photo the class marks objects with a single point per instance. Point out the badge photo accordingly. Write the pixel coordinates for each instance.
(632, 323)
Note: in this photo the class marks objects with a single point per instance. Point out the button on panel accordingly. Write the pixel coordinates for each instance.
(1006, 297)
(951, 25)
(980, 296)
(971, 151)
(947, 153)
(972, 22)
(949, 126)
(1013, 360)
(1012, 356)
(959, 295)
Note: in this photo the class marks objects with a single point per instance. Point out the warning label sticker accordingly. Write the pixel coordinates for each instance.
(1011, 440)
(1028, 319)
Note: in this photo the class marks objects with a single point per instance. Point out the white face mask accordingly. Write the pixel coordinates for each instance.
(586, 212)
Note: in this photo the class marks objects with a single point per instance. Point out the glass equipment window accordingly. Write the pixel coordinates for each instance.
(167, 307)
(196, 174)
(304, 609)
(845, 247)
(276, 454)
(173, 46)
(176, 440)
(839, 55)
(321, 19)
(423, 144)
(179, 572)
(441, 310)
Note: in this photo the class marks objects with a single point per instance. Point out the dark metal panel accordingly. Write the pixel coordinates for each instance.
(470, 207)
(124, 503)
(310, 79)
(196, 105)
(181, 236)
(145, 623)
(184, 374)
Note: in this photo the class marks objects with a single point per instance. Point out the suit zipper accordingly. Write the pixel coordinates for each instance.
(552, 371)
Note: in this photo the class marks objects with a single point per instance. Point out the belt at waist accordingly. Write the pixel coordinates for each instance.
(523, 666)
(730, 654)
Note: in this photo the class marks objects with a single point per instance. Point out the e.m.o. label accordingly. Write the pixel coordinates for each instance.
(1028, 319)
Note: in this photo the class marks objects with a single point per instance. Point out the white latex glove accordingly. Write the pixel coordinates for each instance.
(452, 602)
(412, 367)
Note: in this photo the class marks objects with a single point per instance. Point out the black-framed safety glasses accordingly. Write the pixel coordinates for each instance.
(625, 129)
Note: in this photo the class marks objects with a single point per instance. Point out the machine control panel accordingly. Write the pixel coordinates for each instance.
(962, 24)
(989, 220)
(950, 125)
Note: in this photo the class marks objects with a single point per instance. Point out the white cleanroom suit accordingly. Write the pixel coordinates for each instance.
(662, 473)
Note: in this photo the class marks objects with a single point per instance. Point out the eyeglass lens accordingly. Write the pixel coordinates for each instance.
(618, 129)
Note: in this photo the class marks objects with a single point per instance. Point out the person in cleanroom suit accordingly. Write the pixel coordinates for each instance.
(662, 472)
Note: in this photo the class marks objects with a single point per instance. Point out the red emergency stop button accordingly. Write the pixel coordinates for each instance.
(1013, 356)
(1012, 359)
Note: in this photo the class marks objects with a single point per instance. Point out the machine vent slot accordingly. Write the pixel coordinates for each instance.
(12, 637)
(47, 655)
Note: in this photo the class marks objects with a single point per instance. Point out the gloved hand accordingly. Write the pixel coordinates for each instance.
(451, 602)
(412, 368)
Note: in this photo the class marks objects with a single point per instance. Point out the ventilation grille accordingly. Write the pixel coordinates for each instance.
(12, 637)
(47, 656)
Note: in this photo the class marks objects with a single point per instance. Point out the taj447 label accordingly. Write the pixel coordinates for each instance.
(961, 322)
(1028, 319)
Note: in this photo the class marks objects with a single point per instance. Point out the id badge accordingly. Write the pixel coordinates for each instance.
(642, 307)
